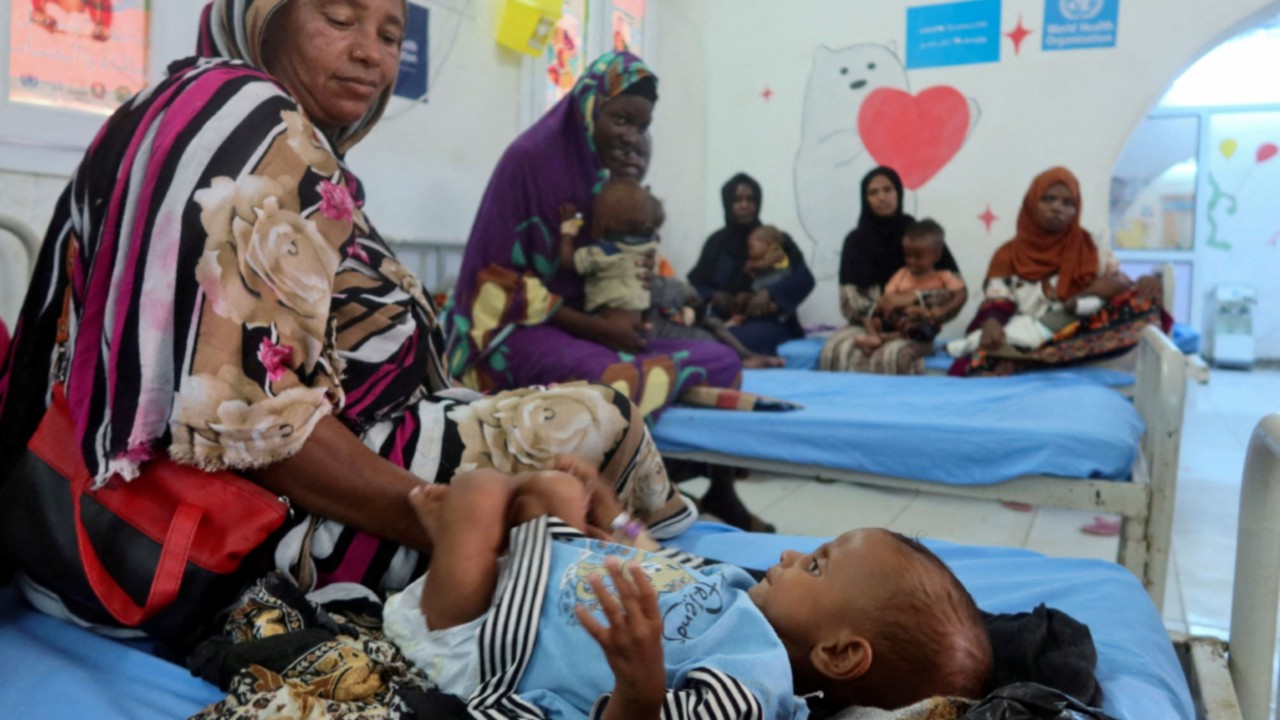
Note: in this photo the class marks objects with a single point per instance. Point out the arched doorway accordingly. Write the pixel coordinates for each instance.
(1196, 185)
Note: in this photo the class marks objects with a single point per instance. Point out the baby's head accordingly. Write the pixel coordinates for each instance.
(922, 246)
(762, 240)
(873, 618)
(625, 207)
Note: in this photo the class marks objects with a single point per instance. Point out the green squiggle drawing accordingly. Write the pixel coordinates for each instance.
(1218, 196)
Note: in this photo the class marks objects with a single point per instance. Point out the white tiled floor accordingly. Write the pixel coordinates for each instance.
(1219, 420)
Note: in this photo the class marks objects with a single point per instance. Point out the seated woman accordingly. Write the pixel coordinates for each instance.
(234, 307)
(516, 317)
(721, 274)
(1069, 289)
(871, 255)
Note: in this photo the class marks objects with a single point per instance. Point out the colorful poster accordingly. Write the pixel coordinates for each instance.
(565, 54)
(80, 54)
(1080, 24)
(411, 82)
(628, 25)
(961, 33)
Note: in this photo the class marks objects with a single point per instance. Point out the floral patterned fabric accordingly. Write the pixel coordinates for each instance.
(281, 655)
(229, 292)
(511, 284)
(1113, 330)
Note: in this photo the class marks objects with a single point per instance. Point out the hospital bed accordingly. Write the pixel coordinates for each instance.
(1056, 440)
(51, 669)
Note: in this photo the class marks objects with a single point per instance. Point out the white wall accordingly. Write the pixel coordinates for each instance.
(1037, 109)
(678, 171)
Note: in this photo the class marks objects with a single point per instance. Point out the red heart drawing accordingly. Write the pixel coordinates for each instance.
(915, 135)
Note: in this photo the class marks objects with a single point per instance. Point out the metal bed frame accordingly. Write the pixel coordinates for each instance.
(1233, 680)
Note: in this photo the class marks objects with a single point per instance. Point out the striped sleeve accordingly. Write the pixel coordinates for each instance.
(710, 695)
(507, 638)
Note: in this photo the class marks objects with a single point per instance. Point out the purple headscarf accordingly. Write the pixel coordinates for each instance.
(510, 273)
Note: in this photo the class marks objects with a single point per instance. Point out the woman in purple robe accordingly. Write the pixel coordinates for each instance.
(516, 316)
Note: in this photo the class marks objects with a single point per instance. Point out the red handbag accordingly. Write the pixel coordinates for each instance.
(161, 552)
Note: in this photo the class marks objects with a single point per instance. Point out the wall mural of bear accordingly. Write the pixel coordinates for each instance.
(859, 112)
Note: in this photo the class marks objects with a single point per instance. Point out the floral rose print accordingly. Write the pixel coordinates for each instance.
(336, 202)
(523, 429)
(275, 358)
(265, 264)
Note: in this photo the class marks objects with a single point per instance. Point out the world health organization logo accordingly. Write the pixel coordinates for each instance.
(1080, 9)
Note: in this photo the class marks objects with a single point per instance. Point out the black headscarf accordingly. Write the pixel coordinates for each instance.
(873, 251)
(728, 242)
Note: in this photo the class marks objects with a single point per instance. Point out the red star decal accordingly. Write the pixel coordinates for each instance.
(766, 94)
(988, 217)
(1017, 35)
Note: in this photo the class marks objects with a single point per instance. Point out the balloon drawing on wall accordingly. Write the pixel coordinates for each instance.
(1228, 200)
(860, 112)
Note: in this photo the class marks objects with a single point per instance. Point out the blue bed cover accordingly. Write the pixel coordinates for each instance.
(960, 431)
(52, 670)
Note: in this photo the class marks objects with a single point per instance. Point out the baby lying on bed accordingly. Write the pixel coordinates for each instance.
(527, 625)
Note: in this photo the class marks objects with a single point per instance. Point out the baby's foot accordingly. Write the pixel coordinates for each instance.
(101, 33)
(762, 361)
(428, 501)
(43, 19)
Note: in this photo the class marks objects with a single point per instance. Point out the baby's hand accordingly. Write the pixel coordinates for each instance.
(570, 219)
(604, 505)
(632, 641)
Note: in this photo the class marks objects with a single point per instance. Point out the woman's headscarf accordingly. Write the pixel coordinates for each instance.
(1034, 254)
(510, 271)
(235, 29)
(872, 251)
(727, 193)
(725, 252)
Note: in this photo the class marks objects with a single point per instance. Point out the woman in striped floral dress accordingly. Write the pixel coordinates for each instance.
(234, 307)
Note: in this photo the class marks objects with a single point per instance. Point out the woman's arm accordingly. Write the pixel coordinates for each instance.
(948, 310)
(611, 334)
(1105, 286)
(336, 476)
(702, 276)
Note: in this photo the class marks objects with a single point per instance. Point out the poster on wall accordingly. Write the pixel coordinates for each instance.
(960, 33)
(565, 54)
(411, 82)
(628, 25)
(88, 55)
(1080, 24)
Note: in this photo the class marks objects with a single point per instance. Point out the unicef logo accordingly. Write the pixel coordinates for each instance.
(1080, 9)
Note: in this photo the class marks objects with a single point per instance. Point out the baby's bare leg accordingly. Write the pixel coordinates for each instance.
(467, 524)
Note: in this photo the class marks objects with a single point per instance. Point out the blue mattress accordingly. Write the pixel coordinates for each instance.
(1140, 675)
(961, 431)
(53, 670)
(802, 354)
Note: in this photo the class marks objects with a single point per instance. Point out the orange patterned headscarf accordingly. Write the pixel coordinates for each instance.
(1034, 254)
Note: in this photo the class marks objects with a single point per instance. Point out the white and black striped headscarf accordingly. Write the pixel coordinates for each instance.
(235, 29)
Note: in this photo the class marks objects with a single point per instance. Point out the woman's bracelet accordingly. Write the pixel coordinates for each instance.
(626, 526)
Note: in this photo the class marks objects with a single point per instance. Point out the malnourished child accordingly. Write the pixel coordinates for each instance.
(555, 620)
